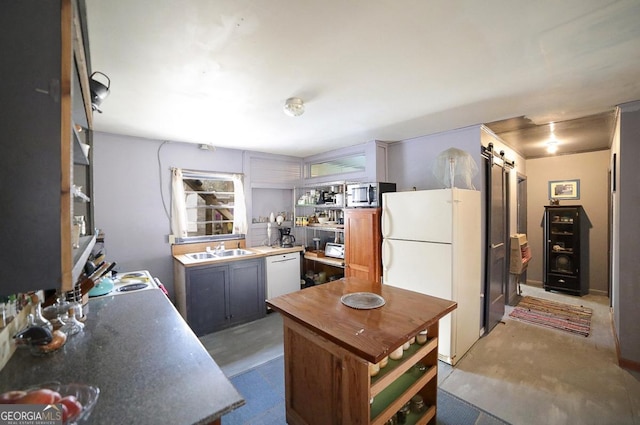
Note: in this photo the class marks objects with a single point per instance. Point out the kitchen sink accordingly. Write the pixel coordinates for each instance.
(231, 252)
(209, 255)
(201, 256)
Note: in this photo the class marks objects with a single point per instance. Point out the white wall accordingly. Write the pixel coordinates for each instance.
(132, 195)
(411, 161)
(592, 170)
(614, 243)
(626, 284)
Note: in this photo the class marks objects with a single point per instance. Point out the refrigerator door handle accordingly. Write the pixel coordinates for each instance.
(386, 255)
(386, 217)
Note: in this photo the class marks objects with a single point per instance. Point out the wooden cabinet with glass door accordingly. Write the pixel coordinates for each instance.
(566, 253)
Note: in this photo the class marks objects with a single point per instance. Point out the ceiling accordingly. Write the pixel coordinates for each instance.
(219, 72)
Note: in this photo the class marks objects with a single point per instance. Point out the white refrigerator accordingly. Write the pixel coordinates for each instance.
(432, 245)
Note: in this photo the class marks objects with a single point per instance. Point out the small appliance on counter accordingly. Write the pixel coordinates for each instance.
(335, 250)
(286, 238)
(124, 283)
(368, 195)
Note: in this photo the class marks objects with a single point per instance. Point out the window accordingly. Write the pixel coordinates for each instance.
(207, 204)
(210, 204)
(348, 164)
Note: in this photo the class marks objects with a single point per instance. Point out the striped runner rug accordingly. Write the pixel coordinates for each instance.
(566, 317)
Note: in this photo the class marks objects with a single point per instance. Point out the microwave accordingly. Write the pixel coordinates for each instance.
(368, 195)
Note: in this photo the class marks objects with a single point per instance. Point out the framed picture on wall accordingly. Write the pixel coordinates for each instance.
(564, 189)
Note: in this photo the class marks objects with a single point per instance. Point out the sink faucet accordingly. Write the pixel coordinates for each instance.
(218, 248)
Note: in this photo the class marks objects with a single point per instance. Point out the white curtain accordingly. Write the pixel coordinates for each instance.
(178, 205)
(240, 207)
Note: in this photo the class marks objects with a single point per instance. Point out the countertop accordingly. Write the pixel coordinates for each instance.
(148, 364)
(370, 334)
(257, 252)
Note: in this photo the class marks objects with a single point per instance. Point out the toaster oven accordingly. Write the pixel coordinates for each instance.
(335, 250)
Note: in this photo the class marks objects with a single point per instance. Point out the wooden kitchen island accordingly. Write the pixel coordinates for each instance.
(328, 347)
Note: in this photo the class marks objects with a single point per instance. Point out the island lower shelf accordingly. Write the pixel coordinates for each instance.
(332, 385)
(402, 379)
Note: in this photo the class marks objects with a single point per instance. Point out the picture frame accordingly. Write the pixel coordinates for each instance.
(564, 189)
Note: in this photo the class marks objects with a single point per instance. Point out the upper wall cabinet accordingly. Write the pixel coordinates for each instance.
(43, 68)
(366, 162)
(274, 173)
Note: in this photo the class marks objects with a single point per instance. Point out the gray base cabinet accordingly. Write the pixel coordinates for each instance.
(225, 295)
(206, 299)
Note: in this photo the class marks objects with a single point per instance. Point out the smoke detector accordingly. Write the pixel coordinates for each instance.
(207, 147)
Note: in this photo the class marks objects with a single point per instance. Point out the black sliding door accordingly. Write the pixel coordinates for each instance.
(497, 238)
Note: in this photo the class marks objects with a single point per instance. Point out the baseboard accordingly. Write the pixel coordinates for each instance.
(536, 283)
(629, 364)
(539, 284)
(622, 362)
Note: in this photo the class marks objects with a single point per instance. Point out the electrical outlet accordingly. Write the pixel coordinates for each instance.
(172, 239)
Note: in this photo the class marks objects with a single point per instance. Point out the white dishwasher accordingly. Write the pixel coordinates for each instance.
(283, 274)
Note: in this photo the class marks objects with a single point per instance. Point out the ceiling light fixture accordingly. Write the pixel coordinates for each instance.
(294, 107)
(552, 144)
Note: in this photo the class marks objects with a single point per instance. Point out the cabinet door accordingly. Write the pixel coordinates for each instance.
(362, 243)
(562, 241)
(246, 291)
(206, 309)
(30, 167)
(565, 259)
(37, 43)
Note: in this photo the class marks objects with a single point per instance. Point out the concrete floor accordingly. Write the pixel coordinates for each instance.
(246, 346)
(522, 373)
(528, 374)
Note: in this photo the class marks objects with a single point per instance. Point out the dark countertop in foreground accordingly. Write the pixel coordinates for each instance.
(148, 364)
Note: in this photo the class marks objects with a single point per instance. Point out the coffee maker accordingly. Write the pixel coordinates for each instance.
(286, 239)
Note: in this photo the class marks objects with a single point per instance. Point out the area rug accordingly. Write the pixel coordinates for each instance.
(566, 317)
